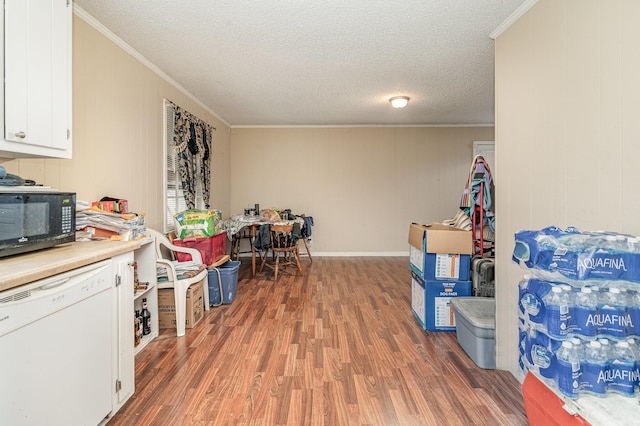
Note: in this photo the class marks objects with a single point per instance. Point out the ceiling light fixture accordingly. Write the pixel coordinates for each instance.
(399, 101)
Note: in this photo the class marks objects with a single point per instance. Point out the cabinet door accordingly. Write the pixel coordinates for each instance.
(124, 363)
(37, 65)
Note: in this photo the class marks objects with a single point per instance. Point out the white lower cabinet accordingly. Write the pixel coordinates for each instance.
(123, 368)
(140, 263)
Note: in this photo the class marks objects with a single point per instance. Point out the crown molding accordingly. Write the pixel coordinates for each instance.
(85, 16)
(524, 7)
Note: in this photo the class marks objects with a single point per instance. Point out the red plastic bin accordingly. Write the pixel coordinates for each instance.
(544, 408)
(211, 248)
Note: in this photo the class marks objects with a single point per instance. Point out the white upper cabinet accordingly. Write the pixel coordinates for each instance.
(37, 41)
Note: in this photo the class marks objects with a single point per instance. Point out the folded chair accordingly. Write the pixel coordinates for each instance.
(179, 283)
(284, 247)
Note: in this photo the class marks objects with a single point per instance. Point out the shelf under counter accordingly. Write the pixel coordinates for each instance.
(145, 260)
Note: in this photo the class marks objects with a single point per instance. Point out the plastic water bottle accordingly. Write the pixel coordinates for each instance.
(606, 347)
(599, 240)
(584, 313)
(569, 291)
(611, 243)
(618, 243)
(539, 358)
(634, 345)
(612, 313)
(546, 242)
(594, 369)
(622, 370)
(568, 366)
(557, 313)
(633, 245)
(574, 242)
(530, 305)
(633, 312)
(570, 296)
(578, 346)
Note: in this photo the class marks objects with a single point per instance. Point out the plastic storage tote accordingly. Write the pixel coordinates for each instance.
(476, 328)
(229, 278)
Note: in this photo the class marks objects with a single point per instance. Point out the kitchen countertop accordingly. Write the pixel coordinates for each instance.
(25, 268)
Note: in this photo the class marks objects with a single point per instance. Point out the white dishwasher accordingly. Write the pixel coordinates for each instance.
(56, 349)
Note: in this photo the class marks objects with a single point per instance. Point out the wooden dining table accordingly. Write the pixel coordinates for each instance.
(235, 224)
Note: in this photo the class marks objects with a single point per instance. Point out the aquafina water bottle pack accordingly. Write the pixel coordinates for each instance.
(579, 310)
(578, 366)
(588, 310)
(571, 254)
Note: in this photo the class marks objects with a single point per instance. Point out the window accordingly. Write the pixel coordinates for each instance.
(174, 197)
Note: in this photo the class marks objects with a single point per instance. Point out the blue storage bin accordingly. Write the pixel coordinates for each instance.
(229, 277)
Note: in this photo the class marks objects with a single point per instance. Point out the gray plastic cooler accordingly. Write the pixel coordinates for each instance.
(476, 328)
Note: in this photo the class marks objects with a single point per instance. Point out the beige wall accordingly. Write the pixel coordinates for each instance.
(117, 131)
(363, 186)
(567, 132)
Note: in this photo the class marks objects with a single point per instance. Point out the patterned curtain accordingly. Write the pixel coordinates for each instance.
(193, 139)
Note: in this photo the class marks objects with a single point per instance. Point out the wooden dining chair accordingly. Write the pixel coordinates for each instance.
(284, 248)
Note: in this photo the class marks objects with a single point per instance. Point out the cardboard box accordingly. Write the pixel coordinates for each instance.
(112, 206)
(440, 252)
(167, 306)
(431, 302)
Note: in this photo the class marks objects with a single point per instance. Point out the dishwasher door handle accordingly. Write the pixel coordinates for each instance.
(54, 284)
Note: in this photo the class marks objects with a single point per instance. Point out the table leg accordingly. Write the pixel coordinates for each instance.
(253, 250)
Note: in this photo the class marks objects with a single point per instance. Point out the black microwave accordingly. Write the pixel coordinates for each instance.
(34, 220)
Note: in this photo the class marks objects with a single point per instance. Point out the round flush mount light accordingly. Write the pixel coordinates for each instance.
(399, 101)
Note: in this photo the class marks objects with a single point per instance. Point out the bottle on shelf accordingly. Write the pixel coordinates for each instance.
(136, 328)
(139, 322)
(146, 318)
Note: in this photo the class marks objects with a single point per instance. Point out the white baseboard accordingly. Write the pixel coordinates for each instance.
(352, 254)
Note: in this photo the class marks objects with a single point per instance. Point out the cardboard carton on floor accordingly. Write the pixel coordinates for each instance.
(440, 252)
(431, 302)
(167, 306)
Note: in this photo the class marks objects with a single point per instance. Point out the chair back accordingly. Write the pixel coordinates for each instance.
(282, 238)
(177, 279)
(165, 249)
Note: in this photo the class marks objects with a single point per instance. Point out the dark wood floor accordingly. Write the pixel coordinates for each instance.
(335, 346)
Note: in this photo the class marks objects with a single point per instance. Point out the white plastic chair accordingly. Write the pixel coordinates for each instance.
(165, 257)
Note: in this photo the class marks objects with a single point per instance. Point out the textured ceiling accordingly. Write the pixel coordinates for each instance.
(331, 62)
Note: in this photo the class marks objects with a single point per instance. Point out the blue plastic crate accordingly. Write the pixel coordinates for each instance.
(229, 278)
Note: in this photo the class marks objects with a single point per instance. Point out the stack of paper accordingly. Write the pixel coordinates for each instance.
(183, 269)
(92, 223)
